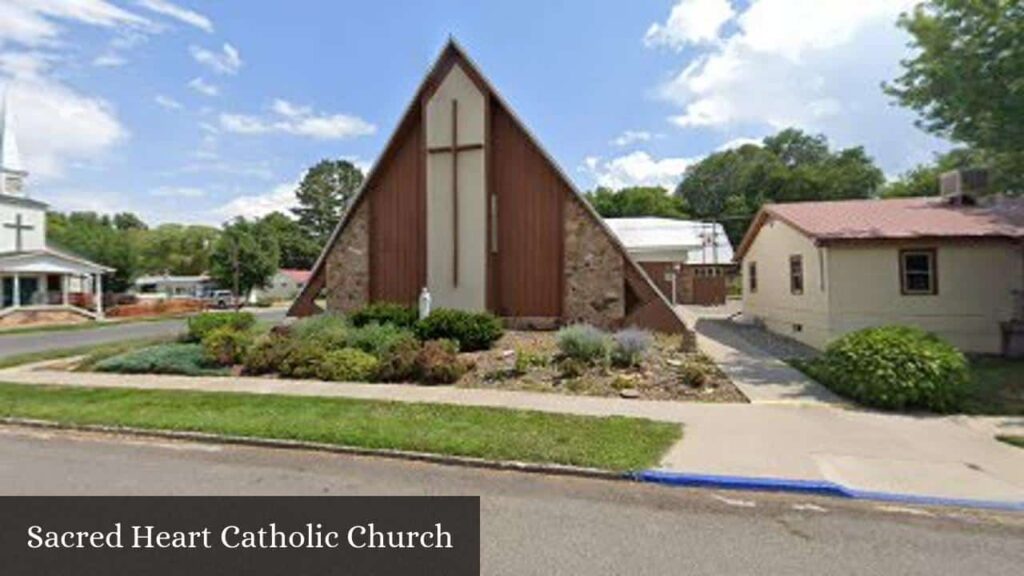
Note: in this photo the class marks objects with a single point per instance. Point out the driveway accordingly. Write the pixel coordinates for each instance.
(534, 524)
(753, 359)
(14, 344)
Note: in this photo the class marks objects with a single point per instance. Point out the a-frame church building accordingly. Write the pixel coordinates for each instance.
(464, 201)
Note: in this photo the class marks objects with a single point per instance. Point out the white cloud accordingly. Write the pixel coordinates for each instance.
(203, 87)
(109, 60)
(227, 61)
(185, 15)
(637, 169)
(56, 124)
(298, 121)
(739, 143)
(813, 65)
(280, 199)
(178, 192)
(167, 102)
(631, 136)
(32, 23)
(690, 22)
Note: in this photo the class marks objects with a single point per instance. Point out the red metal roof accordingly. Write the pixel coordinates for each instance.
(299, 276)
(897, 218)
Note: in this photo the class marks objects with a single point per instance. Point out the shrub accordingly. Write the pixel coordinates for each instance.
(226, 346)
(302, 359)
(202, 324)
(385, 313)
(327, 330)
(895, 367)
(526, 359)
(176, 358)
(696, 374)
(398, 362)
(438, 362)
(267, 353)
(347, 365)
(377, 339)
(472, 330)
(584, 343)
(630, 346)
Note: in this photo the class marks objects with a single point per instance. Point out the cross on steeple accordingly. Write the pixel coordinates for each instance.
(454, 150)
(18, 227)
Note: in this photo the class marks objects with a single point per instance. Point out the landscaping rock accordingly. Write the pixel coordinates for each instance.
(629, 393)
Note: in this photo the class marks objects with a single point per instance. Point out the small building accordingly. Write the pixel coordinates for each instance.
(690, 261)
(165, 287)
(950, 265)
(285, 284)
(38, 282)
(466, 203)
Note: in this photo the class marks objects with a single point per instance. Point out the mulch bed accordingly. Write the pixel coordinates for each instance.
(667, 372)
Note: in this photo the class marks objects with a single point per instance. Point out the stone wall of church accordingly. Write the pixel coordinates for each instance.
(348, 264)
(594, 281)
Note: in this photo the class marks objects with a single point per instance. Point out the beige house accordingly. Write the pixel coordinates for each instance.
(814, 271)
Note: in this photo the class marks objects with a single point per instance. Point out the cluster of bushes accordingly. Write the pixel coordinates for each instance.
(381, 342)
(894, 367)
(583, 345)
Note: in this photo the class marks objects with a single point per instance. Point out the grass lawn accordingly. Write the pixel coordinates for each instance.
(614, 443)
(94, 352)
(1013, 440)
(997, 387)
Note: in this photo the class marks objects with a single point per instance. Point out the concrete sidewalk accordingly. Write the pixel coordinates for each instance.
(947, 457)
(761, 376)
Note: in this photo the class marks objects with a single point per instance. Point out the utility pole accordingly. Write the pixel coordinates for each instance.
(237, 266)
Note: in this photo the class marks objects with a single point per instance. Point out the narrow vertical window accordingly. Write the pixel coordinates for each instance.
(752, 276)
(796, 274)
(918, 272)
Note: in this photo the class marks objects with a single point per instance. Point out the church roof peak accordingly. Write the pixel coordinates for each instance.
(10, 158)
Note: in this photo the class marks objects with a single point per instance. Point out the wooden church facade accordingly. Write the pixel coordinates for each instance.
(465, 202)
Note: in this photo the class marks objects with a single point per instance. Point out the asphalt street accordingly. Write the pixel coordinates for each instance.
(14, 344)
(533, 524)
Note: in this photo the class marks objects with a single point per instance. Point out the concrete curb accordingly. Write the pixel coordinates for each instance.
(815, 487)
(209, 438)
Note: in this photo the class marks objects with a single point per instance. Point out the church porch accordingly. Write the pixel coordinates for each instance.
(46, 287)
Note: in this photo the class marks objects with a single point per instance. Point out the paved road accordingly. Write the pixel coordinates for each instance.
(548, 525)
(14, 344)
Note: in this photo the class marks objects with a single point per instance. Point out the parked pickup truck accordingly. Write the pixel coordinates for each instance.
(220, 299)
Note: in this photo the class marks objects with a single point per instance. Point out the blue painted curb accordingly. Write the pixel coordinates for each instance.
(814, 487)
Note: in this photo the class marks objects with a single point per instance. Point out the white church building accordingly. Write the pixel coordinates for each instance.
(38, 283)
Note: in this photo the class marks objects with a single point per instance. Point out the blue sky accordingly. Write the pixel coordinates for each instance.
(196, 111)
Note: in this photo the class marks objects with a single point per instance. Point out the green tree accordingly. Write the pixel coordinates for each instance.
(127, 221)
(297, 249)
(95, 237)
(178, 249)
(791, 166)
(324, 194)
(243, 257)
(923, 180)
(965, 80)
(637, 201)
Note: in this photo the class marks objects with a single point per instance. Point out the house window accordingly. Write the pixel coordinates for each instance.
(917, 272)
(752, 276)
(796, 274)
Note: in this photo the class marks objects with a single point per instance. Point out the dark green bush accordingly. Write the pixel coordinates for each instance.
(584, 343)
(202, 324)
(377, 339)
(347, 365)
(438, 362)
(385, 313)
(327, 330)
(471, 330)
(226, 346)
(267, 353)
(176, 358)
(398, 362)
(894, 367)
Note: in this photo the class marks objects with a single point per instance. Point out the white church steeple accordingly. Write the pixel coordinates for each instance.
(12, 172)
